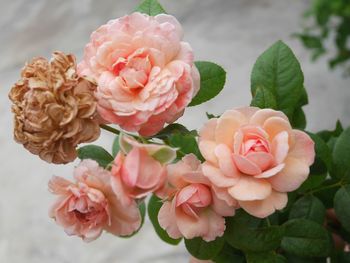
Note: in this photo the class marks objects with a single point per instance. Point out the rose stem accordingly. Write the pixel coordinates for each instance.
(110, 129)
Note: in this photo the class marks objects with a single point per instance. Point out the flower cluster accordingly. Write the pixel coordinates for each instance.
(139, 74)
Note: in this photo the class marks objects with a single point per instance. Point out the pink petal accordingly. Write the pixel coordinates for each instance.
(59, 185)
(271, 172)
(207, 132)
(221, 207)
(291, 177)
(131, 167)
(207, 149)
(280, 146)
(247, 111)
(191, 227)
(226, 164)
(262, 115)
(167, 219)
(216, 176)
(222, 194)
(227, 125)
(249, 188)
(263, 208)
(275, 125)
(216, 225)
(303, 148)
(246, 166)
(150, 171)
(262, 159)
(185, 194)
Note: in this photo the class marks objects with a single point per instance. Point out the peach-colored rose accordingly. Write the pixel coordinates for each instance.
(145, 72)
(139, 168)
(192, 208)
(89, 206)
(255, 157)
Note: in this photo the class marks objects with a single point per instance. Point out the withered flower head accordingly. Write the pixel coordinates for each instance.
(54, 108)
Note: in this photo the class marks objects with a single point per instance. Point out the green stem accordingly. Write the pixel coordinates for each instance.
(268, 221)
(110, 129)
(340, 183)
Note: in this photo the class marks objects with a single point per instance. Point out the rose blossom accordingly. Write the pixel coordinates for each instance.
(192, 208)
(255, 157)
(89, 206)
(145, 72)
(54, 108)
(139, 168)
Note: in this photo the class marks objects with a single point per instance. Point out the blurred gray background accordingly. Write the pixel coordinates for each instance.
(230, 32)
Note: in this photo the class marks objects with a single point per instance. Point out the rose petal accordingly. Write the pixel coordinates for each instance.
(275, 125)
(303, 148)
(216, 176)
(207, 132)
(263, 208)
(221, 207)
(271, 172)
(227, 125)
(207, 149)
(262, 159)
(280, 147)
(246, 166)
(260, 116)
(249, 188)
(291, 177)
(226, 164)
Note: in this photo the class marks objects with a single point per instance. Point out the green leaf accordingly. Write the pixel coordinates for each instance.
(342, 206)
(115, 146)
(313, 181)
(229, 254)
(204, 250)
(211, 116)
(299, 119)
(186, 143)
(327, 194)
(305, 238)
(244, 232)
(154, 205)
(170, 130)
(264, 98)
(278, 71)
(327, 135)
(97, 153)
(323, 161)
(341, 153)
(150, 7)
(212, 81)
(308, 207)
(265, 257)
(142, 208)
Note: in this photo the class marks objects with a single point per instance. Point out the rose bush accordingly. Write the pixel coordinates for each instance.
(145, 72)
(224, 189)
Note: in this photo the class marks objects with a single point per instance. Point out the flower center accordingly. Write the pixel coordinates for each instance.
(133, 70)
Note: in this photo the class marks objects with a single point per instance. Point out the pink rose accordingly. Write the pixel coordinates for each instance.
(145, 73)
(192, 208)
(139, 169)
(255, 157)
(89, 206)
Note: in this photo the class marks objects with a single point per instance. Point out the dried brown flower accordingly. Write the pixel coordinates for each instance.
(54, 108)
